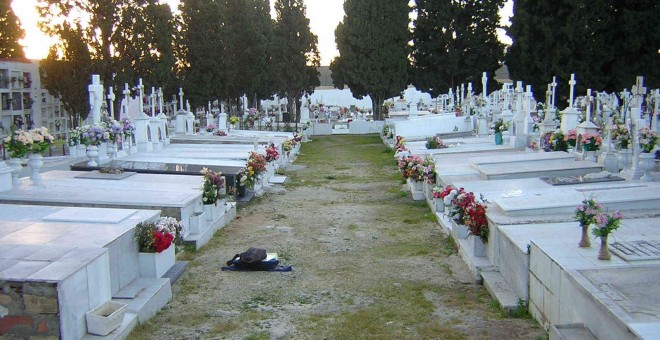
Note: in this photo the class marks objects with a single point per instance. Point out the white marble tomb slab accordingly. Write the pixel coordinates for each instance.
(90, 215)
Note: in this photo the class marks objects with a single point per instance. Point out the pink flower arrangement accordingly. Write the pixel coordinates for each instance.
(647, 139)
(587, 211)
(591, 142)
(571, 137)
(606, 224)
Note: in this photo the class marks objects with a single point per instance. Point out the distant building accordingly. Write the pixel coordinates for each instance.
(24, 102)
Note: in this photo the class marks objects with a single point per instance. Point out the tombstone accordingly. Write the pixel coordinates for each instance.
(142, 124)
(190, 120)
(654, 119)
(518, 139)
(586, 127)
(164, 122)
(608, 158)
(181, 119)
(304, 111)
(111, 98)
(638, 91)
(95, 99)
(528, 119)
(412, 113)
(570, 116)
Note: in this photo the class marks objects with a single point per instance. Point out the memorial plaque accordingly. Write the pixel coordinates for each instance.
(641, 250)
(585, 179)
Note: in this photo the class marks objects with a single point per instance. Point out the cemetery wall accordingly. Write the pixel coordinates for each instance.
(29, 309)
(430, 126)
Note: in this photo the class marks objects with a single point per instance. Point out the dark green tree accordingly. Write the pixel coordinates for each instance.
(295, 52)
(246, 39)
(606, 43)
(66, 72)
(10, 32)
(200, 46)
(373, 49)
(454, 42)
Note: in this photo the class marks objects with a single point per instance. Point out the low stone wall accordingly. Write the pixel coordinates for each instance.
(29, 309)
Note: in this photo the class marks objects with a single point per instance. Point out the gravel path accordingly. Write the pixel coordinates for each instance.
(368, 262)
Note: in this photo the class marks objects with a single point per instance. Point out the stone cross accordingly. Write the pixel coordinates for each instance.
(127, 94)
(484, 82)
(181, 97)
(141, 92)
(174, 104)
(588, 98)
(95, 98)
(462, 93)
(160, 100)
(152, 100)
(554, 89)
(451, 97)
(529, 96)
(188, 105)
(111, 98)
(571, 83)
(209, 106)
(519, 98)
(638, 91)
(548, 95)
(654, 120)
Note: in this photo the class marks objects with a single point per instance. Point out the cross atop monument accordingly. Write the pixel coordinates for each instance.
(554, 90)
(111, 98)
(95, 98)
(589, 105)
(152, 101)
(160, 100)
(571, 83)
(181, 97)
(484, 84)
(141, 95)
(638, 91)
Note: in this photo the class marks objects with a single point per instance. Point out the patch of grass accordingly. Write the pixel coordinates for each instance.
(330, 177)
(415, 248)
(224, 327)
(521, 311)
(258, 336)
(279, 217)
(352, 227)
(400, 312)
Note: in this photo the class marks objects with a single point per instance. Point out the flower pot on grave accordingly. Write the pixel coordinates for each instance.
(477, 246)
(211, 211)
(585, 242)
(459, 231)
(73, 151)
(156, 264)
(112, 151)
(240, 190)
(590, 156)
(498, 138)
(604, 252)
(506, 137)
(438, 205)
(35, 162)
(646, 163)
(93, 154)
(625, 158)
(105, 318)
(16, 164)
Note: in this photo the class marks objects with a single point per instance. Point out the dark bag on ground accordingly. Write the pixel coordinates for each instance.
(252, 259)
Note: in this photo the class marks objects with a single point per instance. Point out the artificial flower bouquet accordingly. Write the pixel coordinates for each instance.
(647, 140)
(127, 127)
(571, 138)
(620, 135)
(154, 237)
(287, 146)
(435, 142)
(437, 192)
(233, 120)
(256, 165)
(587, 211)
(74, 138)
(94, 135)
(20, 142)
(212, 186)
(210, 127)
(429, 170)
(297, 138)
(220, 133)
(500, 126)
(115, 129)
(606, 223)
(271, 153)
(591, 142)
(412, 167)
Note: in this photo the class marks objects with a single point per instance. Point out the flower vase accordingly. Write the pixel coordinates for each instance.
(646, 163)
(585, 242)
(625, 158)
(506, 137)
(156, 264)
(438, 205)
(240, 190)
(604, 252)
(93, 154)
(112, 151)
(16, 164)
(73, 151)
(210, 211)
(498, 138)
(477, 245)
(35, 162)
(589, 155)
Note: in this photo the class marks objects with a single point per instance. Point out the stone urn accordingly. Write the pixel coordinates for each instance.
(16, 164)
(35, 162)
(93, 154)
(646, 163)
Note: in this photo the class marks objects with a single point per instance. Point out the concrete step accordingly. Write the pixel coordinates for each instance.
(129, 322)
(500, 290)
(570, 332)
(153, 294)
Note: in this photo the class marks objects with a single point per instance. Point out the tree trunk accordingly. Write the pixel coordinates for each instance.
(376, 103)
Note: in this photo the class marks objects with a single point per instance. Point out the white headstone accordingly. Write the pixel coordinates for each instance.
(152, 101)
(124, 106)
(95, 98)
(484, 84)
(111, 98)
(412, 111)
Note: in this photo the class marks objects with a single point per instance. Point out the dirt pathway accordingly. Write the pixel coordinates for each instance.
(368, 262)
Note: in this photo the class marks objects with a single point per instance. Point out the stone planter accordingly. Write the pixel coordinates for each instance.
(459, 231)
(105, 317)
(590, 156)
(477, 246)
(646, 163)
(93, 154)
(16, 164)
(214, 211)
(35, 162)
(438, 205)
(156, 264)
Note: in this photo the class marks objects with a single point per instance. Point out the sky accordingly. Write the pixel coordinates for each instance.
(324, 15)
